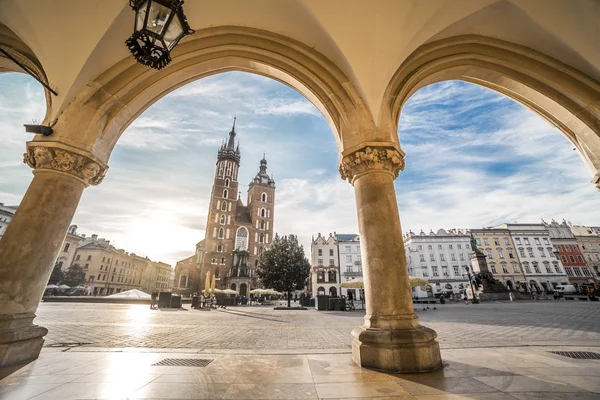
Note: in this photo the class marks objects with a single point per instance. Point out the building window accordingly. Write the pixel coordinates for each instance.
(262, 224)
(429, 247)
(506, 242)
(220, 248)
(572, 259)
(527, 269)
(478, 241)
(348, 248)
(493, 268)
(432, 257)
(459, 246)
(518, 241)
(224, 206)
(504, 268)
(541, 250)
(510, 253)
(263, 197)
(225, 193)
(442, 257)
(486, 242)
(222, 221)
(516, 268)
(500, 253)
(434, 269)
(331, 262)
(227, 182)
(450, 246)
(496, 241)
(526, 240)
(489, 254)
(320, 252)
(222, 262)
(456, 271)
(586, 272)
(530, 251)
(330, 252)
(422, 257)
(419, 247)
(89, 258)
(261, 238)
(425, 273)
(348, 258)
(569, 272)
(221, 233)
(580, 259)
(440, 247)
(453, 257)
(462, 256)
(564, 259)
(547, 267)
(263, 212)
(536, 268)
(67, 245)
(537, 240)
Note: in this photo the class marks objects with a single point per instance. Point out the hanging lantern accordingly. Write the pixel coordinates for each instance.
(159, 26)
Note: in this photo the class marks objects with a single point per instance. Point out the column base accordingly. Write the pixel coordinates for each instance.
(396, 350)
(20, 341)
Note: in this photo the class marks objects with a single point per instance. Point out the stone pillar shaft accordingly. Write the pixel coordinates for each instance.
(391, 338)
(32, 241)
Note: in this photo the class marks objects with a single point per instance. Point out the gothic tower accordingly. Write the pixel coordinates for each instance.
(219, 237)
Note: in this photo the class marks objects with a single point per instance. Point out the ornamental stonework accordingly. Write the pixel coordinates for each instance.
(371, 159)
(82, 167)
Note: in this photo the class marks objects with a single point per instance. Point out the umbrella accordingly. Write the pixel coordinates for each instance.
(256, 291)
(414, 282)
(214, 284)
(353, 285)
(63, 286)
(231, 291)
(131, 294)
(51, 287)
(207, 284)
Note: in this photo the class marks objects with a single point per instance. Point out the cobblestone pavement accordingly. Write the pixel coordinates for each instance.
(261, 328)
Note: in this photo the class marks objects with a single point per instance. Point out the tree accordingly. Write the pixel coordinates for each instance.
(284, 266)
(75, 276)
(57, 275)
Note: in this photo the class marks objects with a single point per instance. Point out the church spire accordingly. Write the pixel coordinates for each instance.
(228, 149)
(231, 142)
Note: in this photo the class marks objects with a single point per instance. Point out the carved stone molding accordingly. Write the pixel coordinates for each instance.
(371, 158)
(53, 156)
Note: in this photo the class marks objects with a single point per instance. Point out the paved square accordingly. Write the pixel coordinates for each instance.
(262, 329)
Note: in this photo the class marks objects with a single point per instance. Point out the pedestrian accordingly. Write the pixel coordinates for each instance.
(510, 296)
(466, 299)
(153, 297)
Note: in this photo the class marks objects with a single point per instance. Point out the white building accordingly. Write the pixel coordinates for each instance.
(69, 248)
(325, 267)
(350, 265)
(540, 266)
(441, 258)
(6, 215)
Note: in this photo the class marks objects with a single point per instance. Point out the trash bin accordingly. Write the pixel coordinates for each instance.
(333, 304)
(175, 301)
(164, 299)
(322, 302)
(194, 301)
(341, 304)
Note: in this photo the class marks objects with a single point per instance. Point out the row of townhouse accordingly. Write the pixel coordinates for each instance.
(524, 257)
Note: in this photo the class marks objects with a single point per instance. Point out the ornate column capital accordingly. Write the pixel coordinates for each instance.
(371, 157)
(62, 158)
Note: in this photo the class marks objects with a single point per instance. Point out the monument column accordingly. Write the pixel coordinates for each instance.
(391, 338)
(32, 242)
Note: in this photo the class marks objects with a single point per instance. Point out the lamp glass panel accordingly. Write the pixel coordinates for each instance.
(174, 32)
(158, 17)
(141, 16)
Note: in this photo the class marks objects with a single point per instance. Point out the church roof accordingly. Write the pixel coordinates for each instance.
(229, 151)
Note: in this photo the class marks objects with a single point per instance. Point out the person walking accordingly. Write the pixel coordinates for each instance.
(153, 297)
(466, 299)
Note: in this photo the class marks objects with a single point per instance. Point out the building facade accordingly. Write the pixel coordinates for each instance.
(237, 234)
(187, 276)
(568, 251)
(589, 242)
(502, 259)
(6, 215)
(441, 258)
(325, 266)
(69, 248)
(350, 262)
(542, 270)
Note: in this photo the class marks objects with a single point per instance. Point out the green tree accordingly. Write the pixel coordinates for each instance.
(75, 276)
(284, 266)
(57, 275)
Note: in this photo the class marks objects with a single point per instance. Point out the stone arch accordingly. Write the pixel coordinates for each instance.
(233, 286)
(562, 95)
(243, 289)
(95, 120)
(333, 291)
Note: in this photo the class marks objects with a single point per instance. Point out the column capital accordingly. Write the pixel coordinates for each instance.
(371, 157)
(67, 159)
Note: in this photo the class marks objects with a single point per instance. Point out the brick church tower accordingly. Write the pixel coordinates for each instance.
(236, 234)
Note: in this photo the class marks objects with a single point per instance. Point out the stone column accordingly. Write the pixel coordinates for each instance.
(391, 339)
(32, 242)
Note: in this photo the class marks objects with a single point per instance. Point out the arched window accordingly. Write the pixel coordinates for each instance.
(220, 233)
(183, 281)
(220, 248)
(262, 224)
(260, 251)
(225, 193)
(224, 206)
(213, 260)
(263, 197)
(261, 238)
(222, 219)
(222, 260)
(263, 213)
(241, 239)
(227, 182)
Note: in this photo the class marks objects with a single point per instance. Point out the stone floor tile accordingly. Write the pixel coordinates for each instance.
(85, 391)
(38, 379)
(134, 377)
(181, 391)
(444, 386)
(271, 391)
(527, 384)
(24, 392)
(359, 389)
(200, 378)
(561, 371)
(303, 376)
(589, 383)
(333, 378)
(466, 396)
(554, 396)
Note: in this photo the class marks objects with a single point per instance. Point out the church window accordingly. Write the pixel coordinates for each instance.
(228, 173)
(220, 248)
(225, 193)
(263, 197)
(227, 182)
(241, 239)
(261, 238)
(221, 233)
(262, 224)
(213, 260)
(224, 206)
(222, 219)
(260, 250)
(263, 213)
(222, 260)
(183, 281)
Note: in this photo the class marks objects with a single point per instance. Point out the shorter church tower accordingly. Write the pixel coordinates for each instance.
(261, 204)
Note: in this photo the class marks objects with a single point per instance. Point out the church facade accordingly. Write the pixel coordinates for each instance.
(236, 233)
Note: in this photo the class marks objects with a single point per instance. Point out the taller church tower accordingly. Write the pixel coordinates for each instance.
(236, 234)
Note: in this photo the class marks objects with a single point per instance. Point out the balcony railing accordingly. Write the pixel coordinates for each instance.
(353, 273)
(357, 262)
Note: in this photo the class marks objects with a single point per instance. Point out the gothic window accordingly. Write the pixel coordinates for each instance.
(263, 213)
(241, 239)
(227, 182)
(263, 197)
(225, 193)
(228, 173)
(224, 206)
(183, 281)
(261, 238)
(262, 224)
(213, 260)
(220, 233)
(222, 220)
(222, 260)
(220, 248)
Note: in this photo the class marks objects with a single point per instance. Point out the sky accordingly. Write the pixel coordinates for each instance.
(474, 158)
